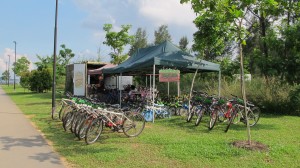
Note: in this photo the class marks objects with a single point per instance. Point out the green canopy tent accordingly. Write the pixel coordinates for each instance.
(165, 55)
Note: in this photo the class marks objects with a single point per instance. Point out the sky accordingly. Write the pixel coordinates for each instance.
(31, 24)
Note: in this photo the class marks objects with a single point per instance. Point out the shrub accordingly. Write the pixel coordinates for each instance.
(40, 80)
(294, 98)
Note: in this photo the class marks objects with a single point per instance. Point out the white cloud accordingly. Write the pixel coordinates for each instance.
(148, 14)
(157, 11)
(5, 60)
(167, 12)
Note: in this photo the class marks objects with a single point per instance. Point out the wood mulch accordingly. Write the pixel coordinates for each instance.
(255, 146)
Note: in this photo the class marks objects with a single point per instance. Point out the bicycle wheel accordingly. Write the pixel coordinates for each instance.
(63, 111)
(133, 125)
(79, 123)
(172, 110)
(190, 115)
(93, 131)
(253, 116)
(183, 111)
(232, 118)
(83, 127)
(67, 121)
(213, 119)
(199, 114)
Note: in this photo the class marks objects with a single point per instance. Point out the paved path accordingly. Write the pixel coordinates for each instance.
(21, 145)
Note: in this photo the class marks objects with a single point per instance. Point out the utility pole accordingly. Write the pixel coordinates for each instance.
(8, 69)
(15, 65)
(54, 62)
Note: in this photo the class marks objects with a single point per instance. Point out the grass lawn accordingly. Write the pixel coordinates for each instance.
(168, 142)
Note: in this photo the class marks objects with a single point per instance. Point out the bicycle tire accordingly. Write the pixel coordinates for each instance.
(62, 113)
(93, 131)
(182, 111)
(78, 124)
(232, 117)
(199, 117)
(253, 115)
(213, 119)
(190, 115)
(133, 125)
(74, 121)
(83, 127)
(67, 121)
(172, 110)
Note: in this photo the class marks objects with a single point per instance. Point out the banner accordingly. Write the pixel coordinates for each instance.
(79, 79)
(169, 75)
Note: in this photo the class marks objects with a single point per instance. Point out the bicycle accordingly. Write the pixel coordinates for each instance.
(131, 123)
(158, 111)
(236, 112)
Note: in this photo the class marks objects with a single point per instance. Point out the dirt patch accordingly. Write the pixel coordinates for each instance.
(255, 146)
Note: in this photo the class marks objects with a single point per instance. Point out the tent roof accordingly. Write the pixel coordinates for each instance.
(164, 55)
(98, 71)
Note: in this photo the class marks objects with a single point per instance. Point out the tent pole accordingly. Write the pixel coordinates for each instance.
(150, 83)
(219, 83)
(178, 88)
(153, 92)
(120, 85)
(168, 89)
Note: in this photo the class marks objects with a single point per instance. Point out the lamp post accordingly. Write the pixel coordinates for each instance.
(54, 62)
(15, 65)
(8, 69)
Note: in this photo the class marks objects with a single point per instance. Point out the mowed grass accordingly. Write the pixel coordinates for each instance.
(168, 142)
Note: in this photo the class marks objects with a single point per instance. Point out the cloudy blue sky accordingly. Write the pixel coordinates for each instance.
(31, 24)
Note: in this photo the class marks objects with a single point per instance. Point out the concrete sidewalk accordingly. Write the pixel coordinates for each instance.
(21, 145)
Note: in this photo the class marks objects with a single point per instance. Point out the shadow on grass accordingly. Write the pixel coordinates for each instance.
(180, 123)
(36, 103)
(46, 95)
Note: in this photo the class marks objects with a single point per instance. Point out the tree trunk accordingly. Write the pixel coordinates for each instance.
(263, 28)
(243, 90)
(192, 86)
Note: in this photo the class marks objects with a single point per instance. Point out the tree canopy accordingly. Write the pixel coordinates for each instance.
(21, 66)
(162, 34)
(117, 41)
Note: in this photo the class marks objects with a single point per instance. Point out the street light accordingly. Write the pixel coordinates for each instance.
(15, 65)
(8, 68)
(54, 62)
(6, 71)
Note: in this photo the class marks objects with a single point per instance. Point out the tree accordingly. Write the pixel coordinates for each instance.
(117, 41)
(44, 62)
(40, 80)
(162, 34)
(22, 65)
(5, 75)
(183, 43)
(25, 79)
(65, 54)
(228, 18)
(63, 59)
(140, 41)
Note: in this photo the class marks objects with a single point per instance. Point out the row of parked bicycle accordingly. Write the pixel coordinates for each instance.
(87, 118)
(221, 109)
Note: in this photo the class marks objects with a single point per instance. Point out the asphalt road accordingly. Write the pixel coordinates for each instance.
(21, 145)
